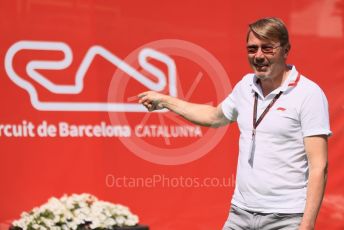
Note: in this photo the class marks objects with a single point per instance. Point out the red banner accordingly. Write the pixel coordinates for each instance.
(71, 123)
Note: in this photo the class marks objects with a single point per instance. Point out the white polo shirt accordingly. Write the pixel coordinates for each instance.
(277, 180)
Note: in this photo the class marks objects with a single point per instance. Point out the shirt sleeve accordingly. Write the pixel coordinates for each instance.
(229, 106)
(314, 114)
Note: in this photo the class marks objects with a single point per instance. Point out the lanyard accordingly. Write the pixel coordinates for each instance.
(257, 122)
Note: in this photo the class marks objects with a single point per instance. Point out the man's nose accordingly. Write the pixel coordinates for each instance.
(259, 54)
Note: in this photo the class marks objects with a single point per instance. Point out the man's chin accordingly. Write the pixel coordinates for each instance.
(261, 76)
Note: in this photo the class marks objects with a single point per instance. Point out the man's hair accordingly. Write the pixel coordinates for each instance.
(270, 29)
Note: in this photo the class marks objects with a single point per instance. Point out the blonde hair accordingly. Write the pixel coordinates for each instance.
(270, 29)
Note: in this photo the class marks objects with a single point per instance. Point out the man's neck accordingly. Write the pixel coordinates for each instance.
(270, 84)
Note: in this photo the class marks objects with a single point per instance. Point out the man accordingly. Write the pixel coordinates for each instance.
(284, 125)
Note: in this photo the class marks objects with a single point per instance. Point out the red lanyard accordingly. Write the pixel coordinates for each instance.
(255, 121)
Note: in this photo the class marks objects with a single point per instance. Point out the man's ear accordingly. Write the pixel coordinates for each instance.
(286, 50)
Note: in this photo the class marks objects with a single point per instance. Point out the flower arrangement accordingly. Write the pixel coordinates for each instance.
(76, 212)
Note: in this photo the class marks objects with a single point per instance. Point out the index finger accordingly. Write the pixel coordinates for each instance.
(141, 95)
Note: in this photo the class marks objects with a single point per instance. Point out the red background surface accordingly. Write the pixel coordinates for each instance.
(34, 169)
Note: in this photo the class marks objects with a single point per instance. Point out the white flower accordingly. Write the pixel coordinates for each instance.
(69, 212)
(55, 228)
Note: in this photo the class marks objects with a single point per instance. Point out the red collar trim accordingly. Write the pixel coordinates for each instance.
(296, 81)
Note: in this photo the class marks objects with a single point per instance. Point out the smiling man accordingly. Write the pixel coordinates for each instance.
(284, 125)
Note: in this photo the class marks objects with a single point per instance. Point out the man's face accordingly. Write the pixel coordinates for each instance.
(266, 57)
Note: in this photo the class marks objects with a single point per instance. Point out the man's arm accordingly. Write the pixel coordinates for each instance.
(316, 149)
(199, 114)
